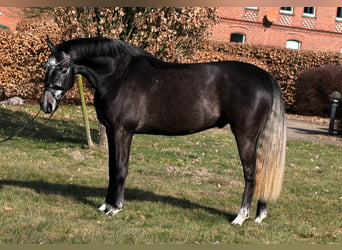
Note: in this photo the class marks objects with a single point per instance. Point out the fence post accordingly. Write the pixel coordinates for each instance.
(84, 111)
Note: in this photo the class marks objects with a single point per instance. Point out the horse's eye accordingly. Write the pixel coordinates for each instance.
(64, 71)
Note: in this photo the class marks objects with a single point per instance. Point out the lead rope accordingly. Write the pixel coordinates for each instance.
(25, 125)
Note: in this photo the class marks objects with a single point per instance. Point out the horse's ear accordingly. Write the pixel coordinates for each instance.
(49, 43)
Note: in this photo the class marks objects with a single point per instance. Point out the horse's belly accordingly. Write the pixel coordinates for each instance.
(178, 122)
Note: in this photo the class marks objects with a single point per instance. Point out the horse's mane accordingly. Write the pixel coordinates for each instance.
(98, 46)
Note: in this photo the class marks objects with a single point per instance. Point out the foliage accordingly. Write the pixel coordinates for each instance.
(166, 32)
(24, 54)
(32, 12)
(284, 64)
(313, 88)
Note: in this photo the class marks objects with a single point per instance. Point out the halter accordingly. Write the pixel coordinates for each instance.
(50, 65)
(50, 86)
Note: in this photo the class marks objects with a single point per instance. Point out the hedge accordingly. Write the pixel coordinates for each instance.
(23, 56)
(24, 52)
(284, 64)
(313, 96)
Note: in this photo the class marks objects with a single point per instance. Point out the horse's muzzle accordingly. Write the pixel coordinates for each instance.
(49, 103)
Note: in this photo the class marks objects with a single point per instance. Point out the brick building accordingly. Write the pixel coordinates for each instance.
(10, 16)
(311, 28)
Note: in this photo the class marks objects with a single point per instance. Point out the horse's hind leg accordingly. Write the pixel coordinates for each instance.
(247, 151)
(261, 211)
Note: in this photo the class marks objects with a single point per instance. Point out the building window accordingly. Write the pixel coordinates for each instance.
(286, 10)
(293, 44)
(237, 37)
(251, 8)
(339, 14)
(309, 12)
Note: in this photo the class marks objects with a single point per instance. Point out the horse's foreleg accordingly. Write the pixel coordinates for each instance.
(119, 143)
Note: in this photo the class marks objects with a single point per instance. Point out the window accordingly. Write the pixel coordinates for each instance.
(339, 14)
(286, 10)
(293, 44)
(237, 37)
(309, 11)
(251, 8)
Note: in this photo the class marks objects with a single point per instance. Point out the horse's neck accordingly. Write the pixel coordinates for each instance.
(96, 68)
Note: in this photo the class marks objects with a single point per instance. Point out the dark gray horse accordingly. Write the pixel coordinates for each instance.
(137, 93)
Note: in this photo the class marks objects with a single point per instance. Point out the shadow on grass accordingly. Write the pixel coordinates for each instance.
(81, 193)
(54, 130)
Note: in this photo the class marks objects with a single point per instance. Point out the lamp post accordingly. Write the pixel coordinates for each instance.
(334, 99)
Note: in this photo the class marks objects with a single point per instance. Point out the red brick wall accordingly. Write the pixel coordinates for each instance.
(322, 32)
(10, 16)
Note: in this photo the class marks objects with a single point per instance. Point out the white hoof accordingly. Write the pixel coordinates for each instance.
(104, 207)
(109, 209)
(239, 219)
(260, 217)
(114, 211)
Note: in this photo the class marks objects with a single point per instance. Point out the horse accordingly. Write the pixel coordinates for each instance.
(136, 93)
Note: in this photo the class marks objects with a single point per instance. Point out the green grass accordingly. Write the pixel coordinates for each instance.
(179, 189)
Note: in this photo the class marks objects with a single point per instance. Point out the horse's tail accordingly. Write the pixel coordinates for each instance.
(271, 147)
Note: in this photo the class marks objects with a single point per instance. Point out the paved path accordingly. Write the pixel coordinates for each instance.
(298, 129)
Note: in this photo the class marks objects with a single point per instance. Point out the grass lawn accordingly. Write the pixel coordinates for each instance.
(179, 189)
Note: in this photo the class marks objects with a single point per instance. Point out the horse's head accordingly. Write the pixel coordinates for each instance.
(59, 77)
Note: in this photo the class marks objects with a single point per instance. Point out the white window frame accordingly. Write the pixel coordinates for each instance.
(290, 44)
(287, 12)
(251, 8)
(309, 14)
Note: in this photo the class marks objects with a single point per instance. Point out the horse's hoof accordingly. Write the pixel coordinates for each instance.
(103, 208)
(109, 209)
(114, 211)
(239, 219)
(260, 217)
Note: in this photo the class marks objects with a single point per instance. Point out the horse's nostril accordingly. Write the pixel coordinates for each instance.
(49, 108)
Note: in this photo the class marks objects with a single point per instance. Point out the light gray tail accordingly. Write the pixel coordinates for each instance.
(271, 148)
